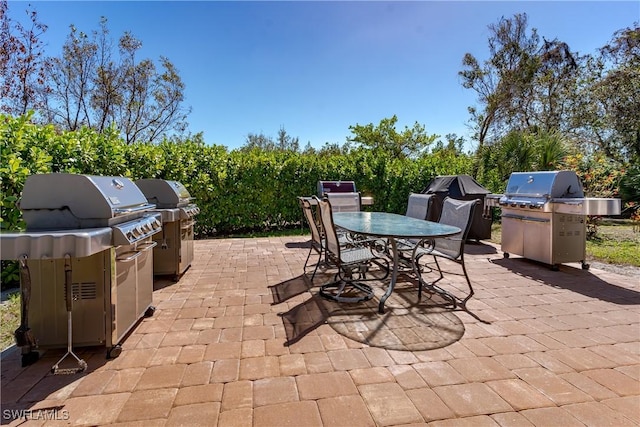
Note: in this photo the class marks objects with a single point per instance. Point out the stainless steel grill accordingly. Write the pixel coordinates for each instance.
(173, 253)
(544, 216)
(100, 228)
(325, 187)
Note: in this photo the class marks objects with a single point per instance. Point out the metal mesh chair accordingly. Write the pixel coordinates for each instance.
(353, 263)
(458, 213)
(316, 235)
(417, 207)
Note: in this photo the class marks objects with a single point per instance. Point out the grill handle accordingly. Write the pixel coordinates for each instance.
(146, 207)
(147, 246)
(529, 219)
(525, 218)
(131, 255)
(187, 225)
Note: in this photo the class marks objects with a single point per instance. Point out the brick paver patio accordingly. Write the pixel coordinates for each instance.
(240, 340)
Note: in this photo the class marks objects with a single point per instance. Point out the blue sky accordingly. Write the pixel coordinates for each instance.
(315, 68)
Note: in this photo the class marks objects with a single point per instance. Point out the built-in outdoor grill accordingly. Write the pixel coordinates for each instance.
(86, 260)
(325, 187)
(544, 216)
(174, 251)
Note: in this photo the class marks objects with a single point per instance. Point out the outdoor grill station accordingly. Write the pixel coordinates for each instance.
(173, 252)
(544, 216)
(325, 187)
(86, 262)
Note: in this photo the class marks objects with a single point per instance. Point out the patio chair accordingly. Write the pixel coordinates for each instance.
(353, 263)
(417, 207)
(317, 236)
(458, 213)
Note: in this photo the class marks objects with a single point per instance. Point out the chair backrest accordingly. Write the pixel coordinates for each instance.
(418, 205)
(458, 213)
(316, 236)
(330, 234)
(344, 202)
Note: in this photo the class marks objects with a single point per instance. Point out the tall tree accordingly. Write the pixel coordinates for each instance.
(23, 67)
(384, 137)
(284, 142)
(525, 85)
(503, 82)
(613, 92)
(92, 88)
(72, 76)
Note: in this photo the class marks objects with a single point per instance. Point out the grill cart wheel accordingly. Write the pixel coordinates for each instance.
(585, 266)
(114, 351)
(149, 312)
(30, 358)
(505, 254)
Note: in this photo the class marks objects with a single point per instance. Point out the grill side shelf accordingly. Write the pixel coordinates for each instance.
(54, 244)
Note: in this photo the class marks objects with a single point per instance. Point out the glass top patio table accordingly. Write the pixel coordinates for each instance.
(391, 226)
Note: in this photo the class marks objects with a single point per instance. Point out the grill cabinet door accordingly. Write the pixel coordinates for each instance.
(512, 234)
(47, 308)
(537, 239)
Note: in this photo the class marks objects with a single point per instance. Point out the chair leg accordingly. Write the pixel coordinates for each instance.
(466, 276)
(438, 265)
(304, 268)
(416, 269)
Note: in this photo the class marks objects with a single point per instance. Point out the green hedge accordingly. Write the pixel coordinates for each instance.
(236, 190)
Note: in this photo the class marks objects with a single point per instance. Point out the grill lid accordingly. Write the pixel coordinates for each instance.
(163, 193)
(336, 187)
(60, 200)
(541, 187)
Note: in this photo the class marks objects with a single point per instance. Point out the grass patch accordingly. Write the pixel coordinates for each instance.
(615, 244)
(9, 318)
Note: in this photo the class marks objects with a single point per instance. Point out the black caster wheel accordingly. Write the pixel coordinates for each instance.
(114, 351)
(585, 266)
(149, 312)
(30, 358)
(505, 254)
(555, 267)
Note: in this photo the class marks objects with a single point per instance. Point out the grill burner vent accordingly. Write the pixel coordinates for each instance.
(84, 290)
